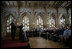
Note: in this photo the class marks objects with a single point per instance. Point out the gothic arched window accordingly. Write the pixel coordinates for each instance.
(62, 21)
(51, 22)
(25, 23)
(39, 22)
(9, 22)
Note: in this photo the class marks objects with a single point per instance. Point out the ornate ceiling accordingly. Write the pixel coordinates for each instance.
(55, 4)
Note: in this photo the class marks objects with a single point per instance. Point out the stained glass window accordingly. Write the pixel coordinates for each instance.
(9, 22)
(51, 22)
(39, 22)
(25, 23)
(62, 21)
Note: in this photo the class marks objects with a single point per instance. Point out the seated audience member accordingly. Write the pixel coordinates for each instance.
(69, 37)
(53, 33)
(69, 32)
(61, 35)
(66, 34)
(38, 29)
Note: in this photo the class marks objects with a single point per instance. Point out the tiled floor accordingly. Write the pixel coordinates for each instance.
(38, 42)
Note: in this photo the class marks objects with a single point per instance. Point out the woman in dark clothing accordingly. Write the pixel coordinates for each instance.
(22, 34)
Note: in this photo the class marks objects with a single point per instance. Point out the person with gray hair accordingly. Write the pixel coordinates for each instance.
(22, 34)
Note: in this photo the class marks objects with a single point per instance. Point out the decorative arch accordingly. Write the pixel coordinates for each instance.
(53, 16)
(62, 10)
(52, 11)
(25, 21)
(62, 20)
(51, 21)
(39, 20)
(39, 14)
(8, 21)
(24, 14)
(11, 15)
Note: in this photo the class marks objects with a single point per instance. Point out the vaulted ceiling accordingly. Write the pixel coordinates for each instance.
(55, 4)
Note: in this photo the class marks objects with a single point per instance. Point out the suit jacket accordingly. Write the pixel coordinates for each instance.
(13, 27)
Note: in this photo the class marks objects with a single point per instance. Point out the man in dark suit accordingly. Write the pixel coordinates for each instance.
(21, 31)
(13, 29)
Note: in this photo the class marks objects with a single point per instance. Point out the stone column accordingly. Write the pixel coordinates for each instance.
(21, 20)
(69, 14)
(18, 20)
(57, 24)
(31, 20)
(67, 18)
(3, 25)
(5, 28)
(45, 19)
